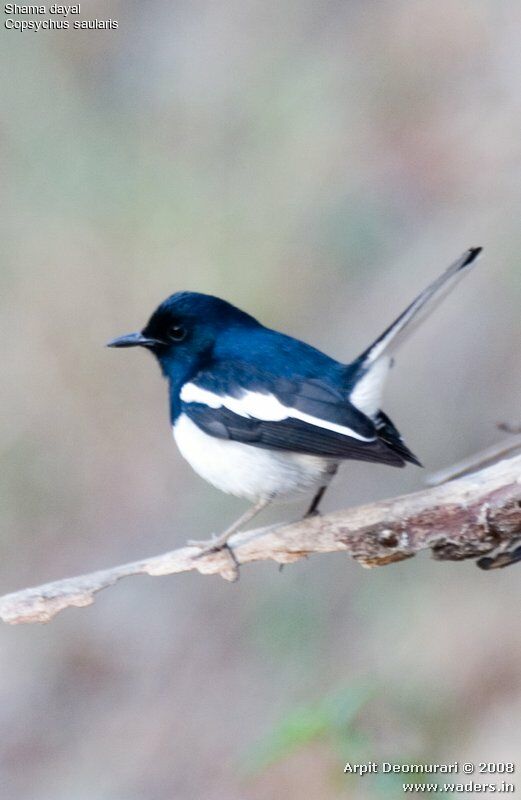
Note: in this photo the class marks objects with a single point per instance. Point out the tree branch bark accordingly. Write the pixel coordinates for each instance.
(465, 518)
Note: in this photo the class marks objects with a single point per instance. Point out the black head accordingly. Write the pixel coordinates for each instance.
(185, 326)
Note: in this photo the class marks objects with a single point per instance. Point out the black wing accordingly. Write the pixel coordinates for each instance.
(290, 435)
(320, 402)
(388, 433)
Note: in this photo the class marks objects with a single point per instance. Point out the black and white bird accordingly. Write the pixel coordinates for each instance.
(264, 416)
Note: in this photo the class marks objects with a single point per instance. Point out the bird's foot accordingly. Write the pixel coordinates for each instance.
(213, 545)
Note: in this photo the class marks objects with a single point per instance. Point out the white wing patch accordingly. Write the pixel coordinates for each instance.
(265, 407)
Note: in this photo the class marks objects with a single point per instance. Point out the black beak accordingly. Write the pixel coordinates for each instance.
(132, 340)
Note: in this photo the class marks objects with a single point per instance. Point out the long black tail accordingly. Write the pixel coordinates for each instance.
(426, 302)
(368, 372)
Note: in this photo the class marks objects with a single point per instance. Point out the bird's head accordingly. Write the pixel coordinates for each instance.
(184, 328)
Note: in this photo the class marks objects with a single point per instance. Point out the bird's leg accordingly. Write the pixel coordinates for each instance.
(217, 542)
(313, 509)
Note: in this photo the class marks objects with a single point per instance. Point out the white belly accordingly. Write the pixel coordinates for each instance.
(246, 471)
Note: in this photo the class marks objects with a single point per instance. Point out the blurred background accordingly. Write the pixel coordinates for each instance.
(316, 163)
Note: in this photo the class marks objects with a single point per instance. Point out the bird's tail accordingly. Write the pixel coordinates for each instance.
(369, 370)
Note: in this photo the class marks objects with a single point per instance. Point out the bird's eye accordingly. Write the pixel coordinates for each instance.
(177, 333)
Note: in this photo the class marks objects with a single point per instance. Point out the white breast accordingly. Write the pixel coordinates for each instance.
(246, 471)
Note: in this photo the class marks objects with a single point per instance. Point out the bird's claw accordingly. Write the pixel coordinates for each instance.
(213, 545)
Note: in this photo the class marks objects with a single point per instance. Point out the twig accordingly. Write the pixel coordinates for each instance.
(474, 462)
(462, 519)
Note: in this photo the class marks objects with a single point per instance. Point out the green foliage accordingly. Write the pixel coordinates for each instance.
(330, 719)
(336, 721)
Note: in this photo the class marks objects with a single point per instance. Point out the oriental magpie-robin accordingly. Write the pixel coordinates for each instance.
(264, 416)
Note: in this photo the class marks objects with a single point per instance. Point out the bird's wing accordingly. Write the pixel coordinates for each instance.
(272, 412)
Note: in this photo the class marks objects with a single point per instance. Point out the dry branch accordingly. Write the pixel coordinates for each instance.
(462, 519)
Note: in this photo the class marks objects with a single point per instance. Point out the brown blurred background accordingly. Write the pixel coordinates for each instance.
(316, 163)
